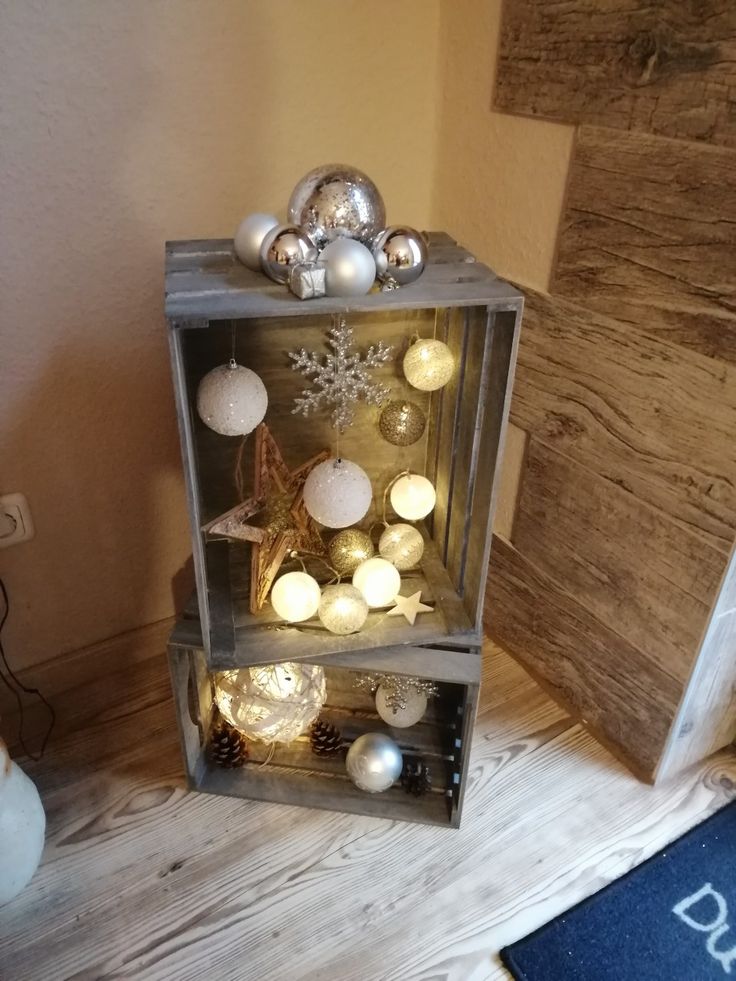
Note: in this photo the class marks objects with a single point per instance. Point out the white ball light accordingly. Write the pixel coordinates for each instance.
(378, 581)
(249, 237)
(351, 269)
(296, 596)
(402, 545)
(413, 497)
(342, 609)
(231, 400)
(428, 365)
(401, 718)
(337, 493)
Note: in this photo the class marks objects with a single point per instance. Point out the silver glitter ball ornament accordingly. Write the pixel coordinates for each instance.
(374, 762)
(350, 269)
(400, 253)
(337, 201)
(283, 247)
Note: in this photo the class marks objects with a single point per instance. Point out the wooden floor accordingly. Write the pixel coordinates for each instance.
(141, 879)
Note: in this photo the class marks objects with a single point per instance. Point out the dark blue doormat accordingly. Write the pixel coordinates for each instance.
(673, 918)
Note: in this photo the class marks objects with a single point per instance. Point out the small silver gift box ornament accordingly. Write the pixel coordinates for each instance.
(307, 279)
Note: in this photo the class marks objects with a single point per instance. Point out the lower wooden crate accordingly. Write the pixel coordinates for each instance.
(294, 775)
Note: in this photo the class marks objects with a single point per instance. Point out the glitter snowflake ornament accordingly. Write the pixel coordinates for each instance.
(341, 378)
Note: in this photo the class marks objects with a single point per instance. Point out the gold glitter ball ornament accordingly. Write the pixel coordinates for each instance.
(402, 423)
(348, 549)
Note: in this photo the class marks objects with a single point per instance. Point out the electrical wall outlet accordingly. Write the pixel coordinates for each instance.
(16, 523)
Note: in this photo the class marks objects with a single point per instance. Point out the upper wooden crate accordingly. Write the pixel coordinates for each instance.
(210, 296)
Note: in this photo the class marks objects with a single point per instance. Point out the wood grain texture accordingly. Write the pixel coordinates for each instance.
(141, 879)
(667, 67)
(650, 417)
(648, 235)
(639, 573)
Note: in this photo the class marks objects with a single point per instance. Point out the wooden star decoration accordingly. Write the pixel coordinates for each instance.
(409, 607)
(274, 520)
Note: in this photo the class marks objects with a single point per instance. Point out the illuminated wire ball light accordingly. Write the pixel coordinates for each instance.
(402, 545)
(343, 609)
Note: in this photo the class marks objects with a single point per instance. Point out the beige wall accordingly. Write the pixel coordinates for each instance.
(123, 124)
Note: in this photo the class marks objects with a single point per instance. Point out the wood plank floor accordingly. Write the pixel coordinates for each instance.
(141, 879)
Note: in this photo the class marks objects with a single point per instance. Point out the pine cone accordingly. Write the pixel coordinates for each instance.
(416, 777)
(228, 746)
(325, 738)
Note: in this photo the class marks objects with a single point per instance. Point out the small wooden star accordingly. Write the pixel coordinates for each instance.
(409, 607)
(274, 519)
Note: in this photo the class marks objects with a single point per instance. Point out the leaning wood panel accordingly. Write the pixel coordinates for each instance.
(653, 418)
(667, 67)
(648, 235)
(639, 573)
(620, 693)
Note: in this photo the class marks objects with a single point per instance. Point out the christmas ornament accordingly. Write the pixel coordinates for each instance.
(400, 717)
(22, 828)
(351, 269)
(428, 365)
(249, 237)
(348, 549)
(374, 762)
(326, 739)
(296, 596)
(378, 581)
(398, 689)
(400, 253)
(228, 746)
(283, 247)
(231, 399)
(409, 607)
(416, 777)
(343, 609)
(337, 493)
(402, 423)
(413, 497)
(335, 201)
(273, 702)
(307, 280)
(342, 378)
(274, 519)
(402, 545)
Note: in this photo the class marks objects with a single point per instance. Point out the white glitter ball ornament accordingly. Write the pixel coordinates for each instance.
(296, 596)
(415, 705)
(378, 581)
(249, 237)
(413, 497)
(337, 493)
(402, 545)
(342, 609)
(428, 365)
(274, 702)
(231, 400)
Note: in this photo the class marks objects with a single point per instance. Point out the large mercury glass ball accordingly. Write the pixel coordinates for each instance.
(249, 237)
(342, 609)
(231, 400)
(337, 201)
(337, 493)
(378, 581)
(349, 268)
(283, 247)
(428, 365)
(401, 717)
(402, 545)
(348, 549)
(374, 762)
(402, 423)
(296, 596)
(400, 253)
(413, 497)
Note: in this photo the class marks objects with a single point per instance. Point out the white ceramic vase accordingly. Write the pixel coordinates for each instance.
(22, 828)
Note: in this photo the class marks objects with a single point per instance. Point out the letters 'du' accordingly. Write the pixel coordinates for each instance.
(710, 918)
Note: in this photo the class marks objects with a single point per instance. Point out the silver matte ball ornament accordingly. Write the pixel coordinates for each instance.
(249, 237)
(400, 254)
(337, 201)
(374, 762)
(349, 268)
(231, 400)
(283, 247)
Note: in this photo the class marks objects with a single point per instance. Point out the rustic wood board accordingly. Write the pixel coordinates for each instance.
(651, 417)
(667, 67)
(648, 235)
(627, 700)
(141, 879)
(639, 573)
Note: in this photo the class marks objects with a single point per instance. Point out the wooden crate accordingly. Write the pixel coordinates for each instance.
(294, 775)
(210, 295)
